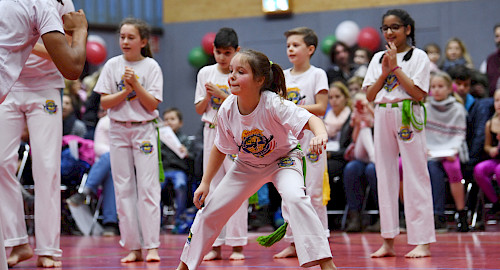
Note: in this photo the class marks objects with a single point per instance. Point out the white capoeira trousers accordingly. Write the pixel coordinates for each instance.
(238, 185)
(235, 232)
(315, 169)
(41, 111)
(134, 165)
(391, 138)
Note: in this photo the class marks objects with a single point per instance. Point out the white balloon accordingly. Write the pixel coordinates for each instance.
(96, 38)
(347, 32)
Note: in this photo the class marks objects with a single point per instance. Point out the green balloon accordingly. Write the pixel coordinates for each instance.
(198, 58)
(327, 43)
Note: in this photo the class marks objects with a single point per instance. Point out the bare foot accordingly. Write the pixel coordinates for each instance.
(237, 254)
(386, 250)
(327, 265)
(133, 256)
(48, 262)
(182, 266)
(19, 253)
(214, 254)
(288, 252)
(153, 255)
(419, 251)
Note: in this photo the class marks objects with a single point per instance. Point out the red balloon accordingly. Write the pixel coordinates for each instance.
(96, 53)
(207, 43)
(369, 38)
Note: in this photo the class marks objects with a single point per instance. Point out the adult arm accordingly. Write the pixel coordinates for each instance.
(69, 59)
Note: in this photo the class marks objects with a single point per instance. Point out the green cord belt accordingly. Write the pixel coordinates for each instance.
(407, 113)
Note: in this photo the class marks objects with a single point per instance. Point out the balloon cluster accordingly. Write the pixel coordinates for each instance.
(349, 33)
(96, 50)
(200, 56)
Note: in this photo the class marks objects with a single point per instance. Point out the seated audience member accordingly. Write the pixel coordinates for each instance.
(71, 124)
(354, 84)
(362, 57)
(100, 175)
(487, 172)
(456, 54)
(445, 135)
(360, 171)
(434, 53)
(342, 67)
(177, 168)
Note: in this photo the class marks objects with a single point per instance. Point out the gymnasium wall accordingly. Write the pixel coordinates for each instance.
(472, 21)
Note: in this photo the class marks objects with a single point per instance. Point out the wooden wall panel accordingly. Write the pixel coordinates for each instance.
(203, 10)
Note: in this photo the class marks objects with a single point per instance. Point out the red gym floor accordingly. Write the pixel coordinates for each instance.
(453, 251)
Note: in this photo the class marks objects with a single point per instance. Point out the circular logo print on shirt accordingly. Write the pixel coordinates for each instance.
(254, 142)
(50, 106)
(215, 102)
(405, 133)
(147, 147)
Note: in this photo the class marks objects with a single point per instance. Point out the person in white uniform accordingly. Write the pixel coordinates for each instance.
(397, 80)
(30, 90)
(211, 90)
(259, 125)
(131, 85)
(307, 86)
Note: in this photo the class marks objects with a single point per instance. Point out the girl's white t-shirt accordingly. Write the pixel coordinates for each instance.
(263, 136)
(39, 73)
(213, 75)
(417, 69)
(149, 75)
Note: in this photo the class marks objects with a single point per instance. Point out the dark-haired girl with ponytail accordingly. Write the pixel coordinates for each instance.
(259, 125)
(397, 80)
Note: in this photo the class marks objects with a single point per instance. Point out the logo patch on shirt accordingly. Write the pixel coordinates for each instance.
(293, 94)
(146, 147)
(286, 162)
(313, 157)
(391, 82)
(215, 102)
(254, 142)
(232, 157)
(50, 106)
(405, 133)
(190, 236)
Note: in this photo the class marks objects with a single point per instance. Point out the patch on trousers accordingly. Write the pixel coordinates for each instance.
(293, 94)
(232, 157)
(50, 106)
(313, 157)
(405, 133)
(146, 147)
(190, 236)
(256, 143)
(391, 82)
(286, 162)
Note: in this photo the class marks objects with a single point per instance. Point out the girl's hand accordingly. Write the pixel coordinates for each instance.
(129, 76)
(318, 143)
(200, 194)
(390, 60)
(493, 152)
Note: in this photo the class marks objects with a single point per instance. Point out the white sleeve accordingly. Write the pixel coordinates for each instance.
(155, 82)
(105, 83)
(200, 92)
(321, 81)
(373, 72)
(224, 138)
(291, 116)
(47, 18)
(420, 73)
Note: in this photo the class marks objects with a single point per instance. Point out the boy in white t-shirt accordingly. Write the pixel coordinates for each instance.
(212, 89)
(307, 86)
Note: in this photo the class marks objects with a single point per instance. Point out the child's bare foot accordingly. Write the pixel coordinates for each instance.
(288, 252)
(327, 265)
(214, 254)
(133, 256)
(419, 251)
(386, 250)
(153, 255)
(237, 254)
(48, 262)
(182, 266)
(19, 253)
